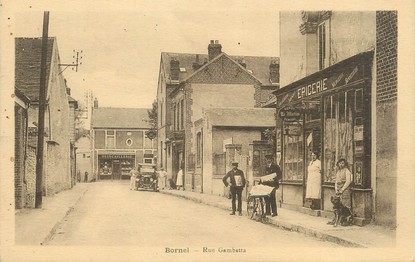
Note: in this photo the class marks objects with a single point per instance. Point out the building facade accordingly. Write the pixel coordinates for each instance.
(120, 142)
(328, 104)
(57, 153)
(191, 83)
(224, 135)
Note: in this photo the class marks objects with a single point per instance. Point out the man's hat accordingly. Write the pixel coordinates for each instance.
(235, 163)
(268, 156)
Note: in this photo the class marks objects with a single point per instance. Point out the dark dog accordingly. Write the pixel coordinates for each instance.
(342, 214)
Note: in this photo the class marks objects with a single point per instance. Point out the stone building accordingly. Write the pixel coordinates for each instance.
(56, 159)
(191, 83)
(120, 142)
(224, 135)
(334, 67)
(21, 106)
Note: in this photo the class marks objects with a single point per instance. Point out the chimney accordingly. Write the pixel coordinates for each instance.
(214, 49)
(196, 64)
(174, 69)
(242, 63)
(68, 91)
(274, 72)
(95, 103)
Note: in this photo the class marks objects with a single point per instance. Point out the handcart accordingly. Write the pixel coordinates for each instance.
(256, 202)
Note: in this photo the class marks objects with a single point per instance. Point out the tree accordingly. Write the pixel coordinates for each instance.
(152, 115)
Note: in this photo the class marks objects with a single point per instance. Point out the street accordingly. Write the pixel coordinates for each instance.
(110, 214)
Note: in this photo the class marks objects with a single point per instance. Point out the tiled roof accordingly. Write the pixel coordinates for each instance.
(109, 117)
(241, 117)
(27, 65)
(258, 65)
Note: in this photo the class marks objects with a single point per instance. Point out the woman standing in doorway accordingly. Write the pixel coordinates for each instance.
(313, 190)
(179, 181)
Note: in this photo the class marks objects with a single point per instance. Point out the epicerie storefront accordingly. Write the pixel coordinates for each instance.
(328, 112)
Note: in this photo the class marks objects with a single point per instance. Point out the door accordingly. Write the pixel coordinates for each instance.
(312, 143)
(116, 169)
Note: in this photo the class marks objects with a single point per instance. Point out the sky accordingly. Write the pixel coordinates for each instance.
(121, 46)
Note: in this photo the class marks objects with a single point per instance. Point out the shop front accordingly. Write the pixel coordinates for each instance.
(328, 112)
(115, 166)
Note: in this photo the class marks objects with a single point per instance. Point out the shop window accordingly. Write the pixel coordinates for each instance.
(293, 154)
(110, 139)
(338, 132)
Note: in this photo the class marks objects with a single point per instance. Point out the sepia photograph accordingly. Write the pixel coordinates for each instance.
(206, 131)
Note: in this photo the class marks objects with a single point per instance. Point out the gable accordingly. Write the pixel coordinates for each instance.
(223, 70)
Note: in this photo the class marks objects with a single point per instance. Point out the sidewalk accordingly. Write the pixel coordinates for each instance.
(369, 236)
(36, 226)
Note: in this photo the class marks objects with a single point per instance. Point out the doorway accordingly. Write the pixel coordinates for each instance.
(312, 144)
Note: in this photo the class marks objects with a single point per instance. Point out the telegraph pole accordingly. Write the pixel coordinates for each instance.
(41, 116)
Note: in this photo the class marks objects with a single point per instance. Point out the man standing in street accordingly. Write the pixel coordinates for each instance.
(162, 179)
(272, 177)
(237, 184)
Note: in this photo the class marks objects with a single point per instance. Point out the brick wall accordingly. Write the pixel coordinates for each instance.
(386, 58)
(386, 118)
(19, 152)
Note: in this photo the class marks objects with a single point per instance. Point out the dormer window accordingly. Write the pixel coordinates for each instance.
(182, 69)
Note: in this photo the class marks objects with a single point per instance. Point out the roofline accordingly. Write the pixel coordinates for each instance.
(216, 58)
(21, 96)
(359, 56)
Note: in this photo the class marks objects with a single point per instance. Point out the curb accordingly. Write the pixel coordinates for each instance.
(57, 224)
(280, 224)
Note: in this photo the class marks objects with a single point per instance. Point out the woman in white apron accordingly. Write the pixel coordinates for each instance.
(313, 190)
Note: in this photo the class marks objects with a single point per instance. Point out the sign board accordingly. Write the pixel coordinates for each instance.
(293, 129)
(290, 114)
(151, 134)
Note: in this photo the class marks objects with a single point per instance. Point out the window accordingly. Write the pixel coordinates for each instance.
(129, 142)
(182, 114)
(174, 117)
(110, 139)
(293, 158)
(323, 37)
(199, 148)
(343, 133)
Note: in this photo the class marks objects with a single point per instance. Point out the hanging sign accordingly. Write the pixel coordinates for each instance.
(293, 129)
(290, 114)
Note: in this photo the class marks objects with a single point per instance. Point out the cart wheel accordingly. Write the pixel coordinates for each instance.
(253, 207)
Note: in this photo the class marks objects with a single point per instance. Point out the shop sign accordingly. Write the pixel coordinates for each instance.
(358, 133)
(290, 114)
(115, 156)
(293, 130)
(325, 83)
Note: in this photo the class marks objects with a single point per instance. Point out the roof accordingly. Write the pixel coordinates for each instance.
(27, 65)
(241, 117)
(110, 117)
(258, 65)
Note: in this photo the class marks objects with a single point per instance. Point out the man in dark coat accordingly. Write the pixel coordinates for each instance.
(270, 202)
(237, 184)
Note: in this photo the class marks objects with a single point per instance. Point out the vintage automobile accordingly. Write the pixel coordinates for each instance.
(147, 178)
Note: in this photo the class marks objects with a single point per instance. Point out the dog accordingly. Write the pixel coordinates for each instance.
(342, 214)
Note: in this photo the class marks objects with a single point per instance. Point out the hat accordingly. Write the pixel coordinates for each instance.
(235, 163)
(268, 156)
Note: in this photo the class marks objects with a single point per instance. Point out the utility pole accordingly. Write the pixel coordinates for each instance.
(41, 116)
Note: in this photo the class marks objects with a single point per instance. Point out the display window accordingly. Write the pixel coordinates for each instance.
(293, 158)
(343, 133)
